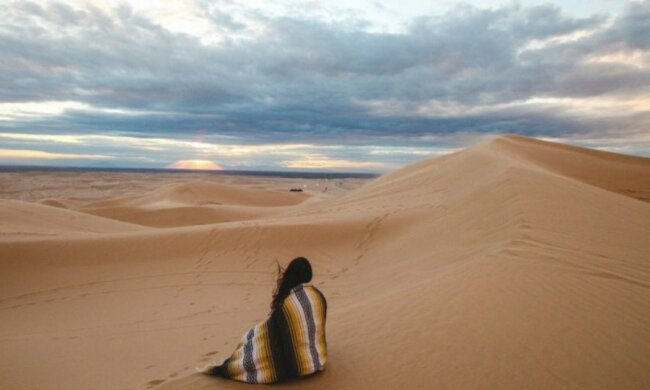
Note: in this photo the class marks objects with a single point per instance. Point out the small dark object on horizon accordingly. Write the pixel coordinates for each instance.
(296, 190)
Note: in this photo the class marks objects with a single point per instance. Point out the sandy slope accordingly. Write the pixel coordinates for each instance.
(201, 193)
(195, 203)
(23, 220)
(511, 264)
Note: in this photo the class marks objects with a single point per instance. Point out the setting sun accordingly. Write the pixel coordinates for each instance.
(195, 164)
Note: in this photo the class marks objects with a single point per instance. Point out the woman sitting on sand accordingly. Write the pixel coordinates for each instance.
(290, 342)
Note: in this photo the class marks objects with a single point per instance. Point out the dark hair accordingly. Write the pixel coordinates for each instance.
(298, 271)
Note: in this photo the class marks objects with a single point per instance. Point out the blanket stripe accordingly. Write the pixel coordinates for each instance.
(299, 310)
(290, 343)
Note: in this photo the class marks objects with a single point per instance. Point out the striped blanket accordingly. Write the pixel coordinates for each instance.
(290, 343)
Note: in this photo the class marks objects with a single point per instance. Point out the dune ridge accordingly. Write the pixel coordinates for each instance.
(194, 203)
(201, 192)
(27, 220)
(187, 204)
(515, 263)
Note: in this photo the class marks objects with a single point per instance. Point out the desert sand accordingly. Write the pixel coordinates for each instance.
(512, 264)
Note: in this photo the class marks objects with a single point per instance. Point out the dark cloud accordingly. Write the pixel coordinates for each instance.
(304, 79)
(631, 30)
(225, 21)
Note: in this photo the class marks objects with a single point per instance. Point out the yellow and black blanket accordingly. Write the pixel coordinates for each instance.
(290, 343)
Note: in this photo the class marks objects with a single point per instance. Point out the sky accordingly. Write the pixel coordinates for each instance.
(354, 86)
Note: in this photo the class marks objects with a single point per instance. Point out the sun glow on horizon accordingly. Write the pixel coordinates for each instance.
(201, 165)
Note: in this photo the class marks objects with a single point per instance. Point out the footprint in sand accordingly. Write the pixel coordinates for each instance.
(155, 382)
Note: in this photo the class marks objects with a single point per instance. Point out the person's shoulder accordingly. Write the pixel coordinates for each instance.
(314, 289)
(308, 288)
(317, 295)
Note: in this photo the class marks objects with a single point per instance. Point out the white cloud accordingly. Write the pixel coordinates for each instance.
(319, 161)
(39, 155)
(12, 111)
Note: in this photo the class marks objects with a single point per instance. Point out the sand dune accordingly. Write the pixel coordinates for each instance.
(165, 217)
(627, 175)
(195, 203)
(515, 263)
(30, 220)
(202, 193)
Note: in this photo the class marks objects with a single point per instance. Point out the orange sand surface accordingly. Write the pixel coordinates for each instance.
(512, 264)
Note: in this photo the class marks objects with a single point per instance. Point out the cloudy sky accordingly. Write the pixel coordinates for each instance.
(329, 85)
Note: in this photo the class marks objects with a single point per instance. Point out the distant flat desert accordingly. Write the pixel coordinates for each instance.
(512, 264)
